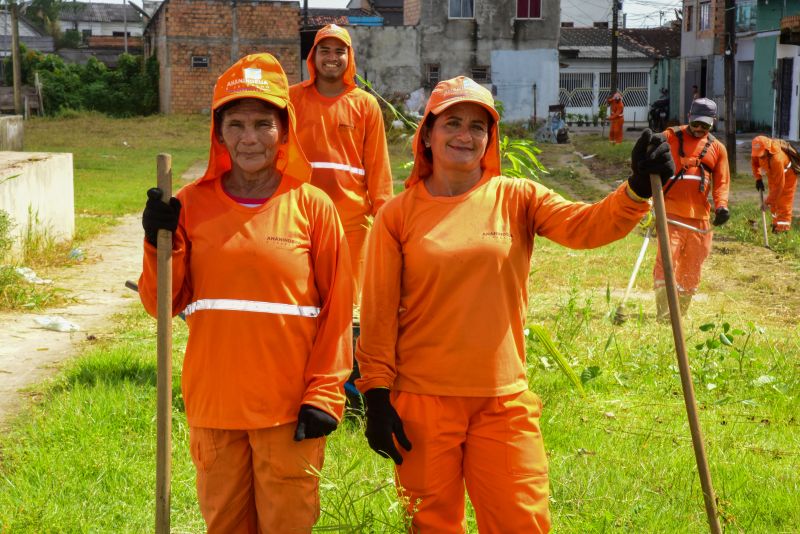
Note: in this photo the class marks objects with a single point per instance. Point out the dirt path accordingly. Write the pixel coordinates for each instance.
(29, 353)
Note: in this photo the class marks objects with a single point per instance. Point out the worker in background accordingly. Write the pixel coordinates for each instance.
(616, 117)
(340, 128)
(260, 269)
(701, 162)
(442, 348)
(768, 158)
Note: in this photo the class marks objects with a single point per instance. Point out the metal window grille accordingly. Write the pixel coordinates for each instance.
(575, 89)
(481, 74)
(433, 74)
(705, 16)
(634, 87)
(461, 9)
(200, 62)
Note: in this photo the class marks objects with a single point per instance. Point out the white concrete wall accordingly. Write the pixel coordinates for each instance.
(513, 74)
(37, 186)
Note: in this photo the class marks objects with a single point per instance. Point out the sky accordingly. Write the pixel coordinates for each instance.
(640, 13)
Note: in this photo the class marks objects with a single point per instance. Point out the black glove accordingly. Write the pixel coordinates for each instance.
(650, 155)
(382, 423)
(759, 184)
(159, 216)
(313, 423)
(721, 216)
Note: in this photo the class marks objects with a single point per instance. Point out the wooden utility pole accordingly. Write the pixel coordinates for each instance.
(125, 23)
(15, 58)
(730, 83)
(614, 37)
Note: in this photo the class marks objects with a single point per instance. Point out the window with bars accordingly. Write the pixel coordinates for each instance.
(575, 89)
(200, 62)
(481, 74)
(529, 9)
(705, 16)
(432, 74)
(461, 9)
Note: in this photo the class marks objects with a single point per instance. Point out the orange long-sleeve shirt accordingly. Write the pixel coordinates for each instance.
(343, 137)
(267, 293)
(776, 165)
(685, 198)
(445, 295)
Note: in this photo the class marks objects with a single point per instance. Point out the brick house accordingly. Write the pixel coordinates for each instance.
(196, 40)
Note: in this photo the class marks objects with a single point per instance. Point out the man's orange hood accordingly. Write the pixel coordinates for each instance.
(337, 32)
(761, 145)
(257, 76)
(448, 93)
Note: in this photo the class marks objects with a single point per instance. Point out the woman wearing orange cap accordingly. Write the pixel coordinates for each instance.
(261, 270)
(617, 118)
(442, 349)
(767, 156)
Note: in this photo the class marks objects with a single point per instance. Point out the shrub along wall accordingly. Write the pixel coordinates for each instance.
(128, 90)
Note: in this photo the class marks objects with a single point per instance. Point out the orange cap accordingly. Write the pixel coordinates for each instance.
(337, 32)
(448, 93)
(759, 146)
(257, 76)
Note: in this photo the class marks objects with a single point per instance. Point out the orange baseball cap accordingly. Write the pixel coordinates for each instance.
(337, 32)
(448, 93)
(258, 76)
(759, 146)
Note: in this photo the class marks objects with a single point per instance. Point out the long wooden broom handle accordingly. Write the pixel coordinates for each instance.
(164, 345)
(683, 361)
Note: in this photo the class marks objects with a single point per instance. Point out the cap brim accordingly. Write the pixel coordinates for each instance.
(701, 118)
(446, 104)
(276, 101)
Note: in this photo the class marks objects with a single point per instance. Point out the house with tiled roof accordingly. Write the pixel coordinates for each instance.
(647, 67)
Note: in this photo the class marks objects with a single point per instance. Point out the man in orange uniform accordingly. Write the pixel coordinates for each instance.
(702, 167)
(768, 158)
(616, 118)
(442, 349)
(260, 268)
(340, 128)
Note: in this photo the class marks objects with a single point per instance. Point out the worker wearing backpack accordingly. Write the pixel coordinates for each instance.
(701, 162)
(773, 158)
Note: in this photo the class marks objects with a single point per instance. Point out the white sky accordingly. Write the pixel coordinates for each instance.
(641, 13)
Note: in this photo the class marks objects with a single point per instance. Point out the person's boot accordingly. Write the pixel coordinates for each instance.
(683, 302)
(662, 305)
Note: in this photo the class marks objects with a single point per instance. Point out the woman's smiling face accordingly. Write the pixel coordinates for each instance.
(459, 136)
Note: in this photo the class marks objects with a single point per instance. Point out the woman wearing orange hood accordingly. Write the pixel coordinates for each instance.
(262, 272)
(442, 348)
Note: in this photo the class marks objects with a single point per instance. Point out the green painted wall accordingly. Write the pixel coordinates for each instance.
(763, 73)
(666, 73)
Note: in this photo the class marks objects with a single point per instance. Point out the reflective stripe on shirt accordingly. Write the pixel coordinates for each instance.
(337, 166)
(251, 306)
(691, 177)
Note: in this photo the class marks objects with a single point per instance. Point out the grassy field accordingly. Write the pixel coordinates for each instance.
(82, 457)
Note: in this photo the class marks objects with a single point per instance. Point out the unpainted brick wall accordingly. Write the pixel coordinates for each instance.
(411, 12)
(204, 28)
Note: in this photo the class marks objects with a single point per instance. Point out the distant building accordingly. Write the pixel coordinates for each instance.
(99, 19)
(29, 35)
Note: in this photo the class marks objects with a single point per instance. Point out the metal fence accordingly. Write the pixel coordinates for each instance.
(634, 87)
(576, 89)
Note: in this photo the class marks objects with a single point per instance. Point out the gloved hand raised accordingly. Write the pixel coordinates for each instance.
(159, 216)
(650, 155)
(383, 423)
(313, 423)
(759, 184)
(721, 216)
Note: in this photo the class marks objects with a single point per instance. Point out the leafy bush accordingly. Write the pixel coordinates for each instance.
(128, 90)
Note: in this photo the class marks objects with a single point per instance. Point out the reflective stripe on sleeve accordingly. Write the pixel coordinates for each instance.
(691, 177)
(783, 223)
(337, 166)
(251, 306)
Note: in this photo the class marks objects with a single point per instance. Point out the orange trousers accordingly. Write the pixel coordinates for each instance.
(357, 243)
(781, 201)
(493, 445)
(689, 250)
(615, 130)
(256, 481)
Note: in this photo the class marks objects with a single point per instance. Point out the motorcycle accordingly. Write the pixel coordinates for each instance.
(658, 116)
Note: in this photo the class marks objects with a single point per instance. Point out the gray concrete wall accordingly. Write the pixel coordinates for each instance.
(11, 132)
(513, 74)
(37, 188)
(388, 57)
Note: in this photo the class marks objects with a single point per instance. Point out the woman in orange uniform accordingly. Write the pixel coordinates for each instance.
(261, 270)
(442, 349)
(616, 118)
(767, 156)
